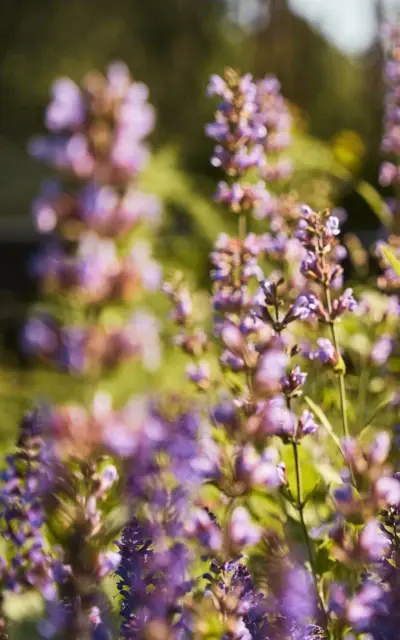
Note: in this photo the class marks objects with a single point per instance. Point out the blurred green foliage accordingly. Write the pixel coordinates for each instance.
(189, 214)
(173, 46)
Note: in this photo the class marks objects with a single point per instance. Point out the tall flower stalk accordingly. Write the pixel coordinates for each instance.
(95, 256)
(187, 502)
(318, 234)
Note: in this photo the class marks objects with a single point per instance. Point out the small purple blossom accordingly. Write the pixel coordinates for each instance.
(325, 352)
(306, 424)
(256, 470)
(242, 532)
(345, 302)
(374, 542)
(382, 350)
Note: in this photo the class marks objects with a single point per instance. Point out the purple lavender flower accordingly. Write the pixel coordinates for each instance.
(202, 526)
(332, 227)
(97, 132)
(345, 302)
(306, 306)
(199, 373)
(325, 352)
(25, 482)
(364, 606)
(256, 470)
(242, 532)
(373, 541)
(270, 369)
(389, 173)
(154, 575)
(39, 335)
(317, 232)
(274, 113)
(298, 599)
(344, 494)
(306, 424)
(382, 349)
(293, 381)
(236, 128)
(67, 109)
(387, 490)
(276, 418)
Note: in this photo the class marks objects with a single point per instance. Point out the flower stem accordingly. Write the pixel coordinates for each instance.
(300, 508)
(300, 505)
(242, 226)
(362, 392)
(340, 373)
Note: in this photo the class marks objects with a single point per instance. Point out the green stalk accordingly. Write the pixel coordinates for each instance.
(300, 506)
(340, 372)
(300, 509)
(242, 226)
(362, 392)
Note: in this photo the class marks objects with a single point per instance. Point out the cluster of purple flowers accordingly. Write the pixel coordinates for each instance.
(389, 173)
(91, 349)
(60, 483)
(96, 136)
(25, 480)
(97, 130)
(251, 128)
(199, 508)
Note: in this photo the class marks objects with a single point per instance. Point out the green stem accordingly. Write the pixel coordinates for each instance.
(343, 405)
(362, 393)
(300, 505)
(340, 374)
(242, 226)
(300, 508)
(242, 236)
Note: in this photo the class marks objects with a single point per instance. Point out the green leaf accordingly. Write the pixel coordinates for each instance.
(328, 473)
(384, 403)
(265, 509)
(164, 178)
(322, 560)
(391, 258)
(375, 201)
(324, 422)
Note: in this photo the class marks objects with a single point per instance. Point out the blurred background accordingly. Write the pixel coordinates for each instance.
(327, 54)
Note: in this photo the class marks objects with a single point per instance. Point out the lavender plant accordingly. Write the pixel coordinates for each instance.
(59, 508)
(389, 172)
(256, 402)
(250, 508)
(91, 259)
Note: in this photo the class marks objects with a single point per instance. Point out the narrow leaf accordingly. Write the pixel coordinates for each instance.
(384, 403)
(324, 422)
(375, 201)
(391, 258)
